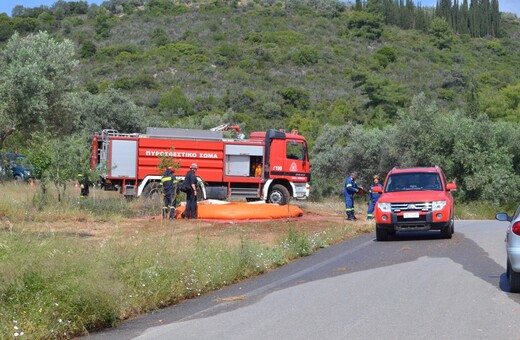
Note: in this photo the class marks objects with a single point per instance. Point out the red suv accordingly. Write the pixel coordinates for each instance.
(414, 199)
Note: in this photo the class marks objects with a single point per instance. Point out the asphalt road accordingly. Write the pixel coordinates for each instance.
(417, 286)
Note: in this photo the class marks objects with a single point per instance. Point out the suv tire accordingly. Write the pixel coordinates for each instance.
(381, 233)
(447, 231)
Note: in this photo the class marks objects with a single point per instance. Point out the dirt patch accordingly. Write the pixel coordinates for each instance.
(314, 220)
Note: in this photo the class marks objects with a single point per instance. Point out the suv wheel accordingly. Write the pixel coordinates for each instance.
(446, 232)
(381, 233)
(513, 278)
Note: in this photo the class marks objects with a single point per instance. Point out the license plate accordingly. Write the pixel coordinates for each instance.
(411, 215)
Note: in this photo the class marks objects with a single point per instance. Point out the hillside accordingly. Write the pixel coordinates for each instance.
(281, 64)
(276, 66)
(390, 96)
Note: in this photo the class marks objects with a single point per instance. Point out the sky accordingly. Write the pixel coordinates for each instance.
(6, 6)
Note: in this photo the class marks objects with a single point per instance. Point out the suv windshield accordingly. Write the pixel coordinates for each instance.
(413, 181)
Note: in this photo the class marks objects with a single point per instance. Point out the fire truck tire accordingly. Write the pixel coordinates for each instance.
(278, 195)
(200, 196)
(153, 192)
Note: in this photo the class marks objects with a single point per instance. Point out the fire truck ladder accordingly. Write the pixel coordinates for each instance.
(107, 133)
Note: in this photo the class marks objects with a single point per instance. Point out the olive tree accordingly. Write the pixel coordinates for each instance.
(35, 77)
(57, 161)
(109, 110)
(339, 150)
(480, 154)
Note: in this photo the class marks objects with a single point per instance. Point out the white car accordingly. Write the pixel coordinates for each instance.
(512, 249)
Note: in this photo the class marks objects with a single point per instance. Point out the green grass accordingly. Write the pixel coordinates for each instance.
(59, 285)
(480, 210)
(56, 286)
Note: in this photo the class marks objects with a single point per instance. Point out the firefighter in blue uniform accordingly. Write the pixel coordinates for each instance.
(191, 193)
(168, 182)
(373, 197)
(349, 190)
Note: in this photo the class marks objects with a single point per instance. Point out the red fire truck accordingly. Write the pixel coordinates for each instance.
(226, 166)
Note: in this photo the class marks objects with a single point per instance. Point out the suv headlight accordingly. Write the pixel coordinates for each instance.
(438, 205)
(385, 207)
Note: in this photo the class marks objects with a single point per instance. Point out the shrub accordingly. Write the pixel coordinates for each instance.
(385, 56)
(159, 37)
(88, 49)
(175, 102)
(365, 25)
(305, 56)
(441, 34)
(113, 51)
(298, 98)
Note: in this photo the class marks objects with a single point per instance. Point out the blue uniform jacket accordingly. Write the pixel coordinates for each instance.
(167, 181)
(350, 186)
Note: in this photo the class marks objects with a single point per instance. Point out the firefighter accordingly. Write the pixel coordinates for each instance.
(84, 185)
(168, 181)
(191, 194)
(349, 190)
(258, 170)
(373, 197)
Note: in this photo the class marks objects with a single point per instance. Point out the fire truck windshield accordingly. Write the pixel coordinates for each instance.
(295, 150)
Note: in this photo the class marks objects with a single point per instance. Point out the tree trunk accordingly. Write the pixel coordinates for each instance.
(5, 134)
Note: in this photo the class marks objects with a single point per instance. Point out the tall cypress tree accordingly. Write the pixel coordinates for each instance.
(359, 5)
(375, 6)
(474, 22)
(410, 14)
(495, 18)
(472, 99)
(463, 18)
(455, 12)
(421, 22)
(484, 12)
(445, 10)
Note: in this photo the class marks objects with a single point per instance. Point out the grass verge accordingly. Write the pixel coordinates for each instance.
(58, 285)
(55, 286)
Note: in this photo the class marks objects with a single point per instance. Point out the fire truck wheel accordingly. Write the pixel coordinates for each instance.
(153, 192)
(278, 195)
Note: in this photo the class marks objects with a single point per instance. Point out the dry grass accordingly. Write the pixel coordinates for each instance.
(73, 266)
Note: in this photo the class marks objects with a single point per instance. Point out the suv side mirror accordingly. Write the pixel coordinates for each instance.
(451, 186)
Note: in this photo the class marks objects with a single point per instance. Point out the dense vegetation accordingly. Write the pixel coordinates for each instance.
(369, 93)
